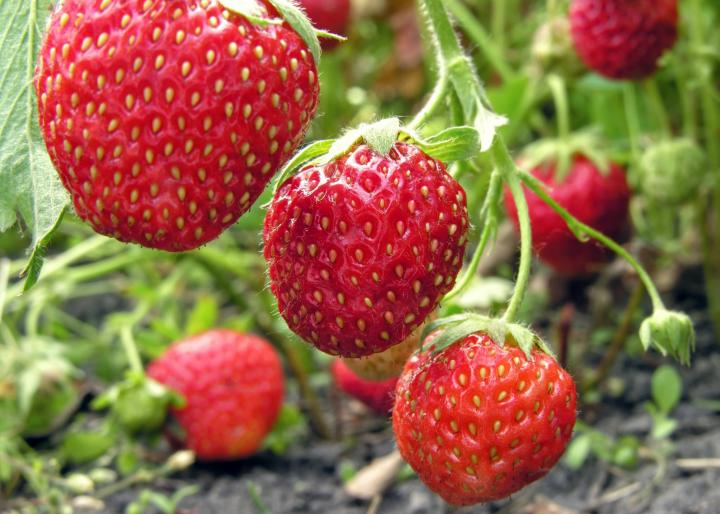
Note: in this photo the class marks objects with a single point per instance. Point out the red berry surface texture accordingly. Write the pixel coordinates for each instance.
(166, 119)
(623, 39)
(361, 250)
(377, 395)
(233, 388)
(330, 15)
(600, 200)
(478, 422)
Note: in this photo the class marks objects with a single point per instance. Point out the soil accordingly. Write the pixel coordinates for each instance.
(307, 478)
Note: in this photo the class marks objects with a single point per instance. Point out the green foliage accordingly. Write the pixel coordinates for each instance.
(30, 185)
(289, 428)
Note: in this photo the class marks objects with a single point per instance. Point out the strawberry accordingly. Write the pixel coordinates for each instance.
(233, 389)
(598, 199)
(165, 120)
(390, 363)
(479, 421)
(376, 395)
(360, 250)
(330, 15)
(623, 39)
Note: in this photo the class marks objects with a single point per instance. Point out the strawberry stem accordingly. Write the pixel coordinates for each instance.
(131, 351)
(633, 119)
(578, 227)
(559, 93)
(510, 174)
(658, 107)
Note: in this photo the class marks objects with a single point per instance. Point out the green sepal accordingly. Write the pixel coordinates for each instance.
(459, 326)
(671, 333)
(308, 155)
(450, 145)
(560, 153)
(299, 21)
(325, 34)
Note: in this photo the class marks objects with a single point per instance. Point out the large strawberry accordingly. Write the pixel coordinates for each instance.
(361, 250)
(233, 389)
(377, 395)
(330, 15)
(166, 119)
(479, 421)
(599, 199)
(623, 39)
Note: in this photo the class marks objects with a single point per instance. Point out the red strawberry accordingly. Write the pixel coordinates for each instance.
(478, 421)
(330, 15)
(377, 395)
(597, 199)
(623, 39)
(233, 388)
(361, 250)
(166, 119)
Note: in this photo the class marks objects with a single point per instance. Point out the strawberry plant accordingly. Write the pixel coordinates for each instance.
(305, 297)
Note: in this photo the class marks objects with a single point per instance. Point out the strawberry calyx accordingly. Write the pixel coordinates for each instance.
(457, 327)
(560, 153)
(450, 145)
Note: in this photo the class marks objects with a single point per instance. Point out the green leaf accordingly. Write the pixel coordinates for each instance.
(28, 183)
(289, 427)
(203, 316)
(305, 156)
(578, 451)
(83, 447)
(666, 388)
(297, 19)
(450, 145)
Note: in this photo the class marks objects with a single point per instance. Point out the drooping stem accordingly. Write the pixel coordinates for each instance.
(478, 35)
(658, 107)
(633, 119)
(510, 175)
(489, 228)
(131, 351)
(580, 228)
(435, 101)
(562, 108)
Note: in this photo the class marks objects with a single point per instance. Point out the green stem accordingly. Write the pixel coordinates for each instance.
(438, 96)
(445, 40)
(131, 351)
(489, 228)
(499, 18)
(478, 35)
(658, 107)
(509, 171)
(559, 92)
(633, 119)
(578, 227)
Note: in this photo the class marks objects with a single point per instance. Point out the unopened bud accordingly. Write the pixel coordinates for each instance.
(79, 483)
(181, 460)
(671, 333)
(672, 171)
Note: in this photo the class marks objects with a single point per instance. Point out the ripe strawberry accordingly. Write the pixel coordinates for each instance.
(165, 120)
(597, 199)
(623, 39)
(390, 363)
(478, 421)
(233, 388)
(361, 250)
(330, 15)
(377, 395)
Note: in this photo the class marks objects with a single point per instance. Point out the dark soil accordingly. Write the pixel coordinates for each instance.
(307, 479)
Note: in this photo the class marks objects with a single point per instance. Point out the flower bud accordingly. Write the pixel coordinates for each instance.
(181, 460)
(79, 483)
(672, 171)
(671, 332)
